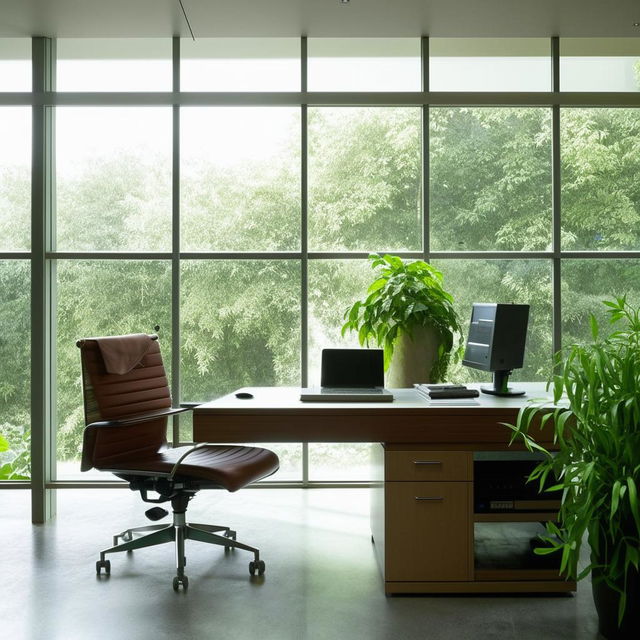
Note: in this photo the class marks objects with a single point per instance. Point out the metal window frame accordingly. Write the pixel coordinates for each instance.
(43, 255)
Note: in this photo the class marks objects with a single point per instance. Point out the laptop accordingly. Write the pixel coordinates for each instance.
(350, 375)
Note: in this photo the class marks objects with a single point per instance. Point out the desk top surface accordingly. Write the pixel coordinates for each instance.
(287, 400)
(276, 414)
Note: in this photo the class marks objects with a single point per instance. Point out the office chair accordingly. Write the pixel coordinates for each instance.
(127, 405)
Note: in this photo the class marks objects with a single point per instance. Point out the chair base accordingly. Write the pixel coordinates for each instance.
(178, 532)
(127, 534)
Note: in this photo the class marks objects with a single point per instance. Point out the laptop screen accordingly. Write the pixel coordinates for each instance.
(352, 368)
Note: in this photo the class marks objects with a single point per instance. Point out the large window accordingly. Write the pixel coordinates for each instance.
(210, 191)
(15, 388)
(98, 298)
(113, 64)
(15, 268)
(364, 64)
(240, 64)
(600, 165)
(240, 178)
(364, 179)
(600, 64)
(489, 64)
(490, 182)
(15, 64)
(113, 178)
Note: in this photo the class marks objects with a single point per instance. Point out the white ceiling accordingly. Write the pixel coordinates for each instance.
(321, 18)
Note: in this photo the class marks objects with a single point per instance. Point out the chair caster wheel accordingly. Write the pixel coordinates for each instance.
(103, 564)
(256, 567)
(232, 536)
(180, 580)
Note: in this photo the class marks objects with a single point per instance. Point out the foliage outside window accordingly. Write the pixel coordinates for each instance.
(489, 189)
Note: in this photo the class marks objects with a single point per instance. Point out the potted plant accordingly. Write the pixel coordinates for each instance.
(408, 313)
(596, 422)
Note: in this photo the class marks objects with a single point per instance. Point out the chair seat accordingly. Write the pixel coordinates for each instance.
(230, 467)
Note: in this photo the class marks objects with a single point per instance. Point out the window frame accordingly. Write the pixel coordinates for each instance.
(44, 255)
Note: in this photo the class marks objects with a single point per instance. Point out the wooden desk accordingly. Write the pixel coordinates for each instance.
(422, 517)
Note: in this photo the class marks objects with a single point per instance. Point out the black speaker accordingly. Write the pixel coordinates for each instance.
(496, 342)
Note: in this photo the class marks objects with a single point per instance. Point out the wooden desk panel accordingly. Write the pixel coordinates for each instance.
(276, 414)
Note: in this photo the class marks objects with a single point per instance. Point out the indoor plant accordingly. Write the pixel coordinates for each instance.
(597, 465)
(408, 313)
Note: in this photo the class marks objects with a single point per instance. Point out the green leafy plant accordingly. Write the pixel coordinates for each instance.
(597, 465)
(404, 296)
(18, 467)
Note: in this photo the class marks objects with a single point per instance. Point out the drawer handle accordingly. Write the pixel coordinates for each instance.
(427, 462)
(435, 499)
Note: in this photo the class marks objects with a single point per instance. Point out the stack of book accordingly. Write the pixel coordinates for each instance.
(445, 391)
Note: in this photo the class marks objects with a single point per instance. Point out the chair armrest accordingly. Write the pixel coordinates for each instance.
(176, 466)
(138, 417)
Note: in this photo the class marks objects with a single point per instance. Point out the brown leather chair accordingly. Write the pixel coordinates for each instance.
(126, 417)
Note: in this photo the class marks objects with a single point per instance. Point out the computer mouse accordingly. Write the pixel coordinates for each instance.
(244, 395)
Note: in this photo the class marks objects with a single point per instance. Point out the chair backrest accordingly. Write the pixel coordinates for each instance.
(109, 396)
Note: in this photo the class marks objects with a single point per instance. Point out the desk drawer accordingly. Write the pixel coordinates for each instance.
(415, 466)
(428, 531)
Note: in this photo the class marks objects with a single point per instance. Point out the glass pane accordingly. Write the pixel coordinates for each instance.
(240, 326)
(490, 182)
(336, 462)
(485, 64)
(101, 298)
(114, 64)
(599, 64)
(15, 373)
(15, 178)
(15, 64)
(113, 178)
(364, 64)
(240, 64)
(290, 453)
(585, 284)
(364, 179)
(600, 167)
(515, 281)
(334, 285)
(240, 179)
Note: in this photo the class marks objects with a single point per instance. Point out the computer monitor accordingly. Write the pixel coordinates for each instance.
(497, 336)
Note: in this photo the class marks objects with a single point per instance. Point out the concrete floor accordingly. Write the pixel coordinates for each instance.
(322, 581)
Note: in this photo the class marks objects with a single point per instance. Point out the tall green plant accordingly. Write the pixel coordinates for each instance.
(404, 296)
(18, 468)
(597, 464)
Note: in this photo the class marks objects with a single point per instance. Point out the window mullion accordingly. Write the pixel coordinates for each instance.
(304, 246)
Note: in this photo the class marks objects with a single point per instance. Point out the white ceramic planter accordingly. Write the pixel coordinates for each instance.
(413, 358)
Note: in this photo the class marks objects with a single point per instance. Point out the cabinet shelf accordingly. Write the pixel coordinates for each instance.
(505, 551)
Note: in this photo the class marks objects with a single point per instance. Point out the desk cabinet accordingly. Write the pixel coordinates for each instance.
(421, 515)
(422, 524)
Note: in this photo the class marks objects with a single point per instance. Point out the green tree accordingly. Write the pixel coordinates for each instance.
(490, 189)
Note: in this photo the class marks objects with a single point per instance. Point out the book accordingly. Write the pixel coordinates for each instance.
(442, 392)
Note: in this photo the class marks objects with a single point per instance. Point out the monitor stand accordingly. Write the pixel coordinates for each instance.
(501, 385)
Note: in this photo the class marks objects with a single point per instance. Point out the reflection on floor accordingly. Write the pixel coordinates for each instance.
(322, 581)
